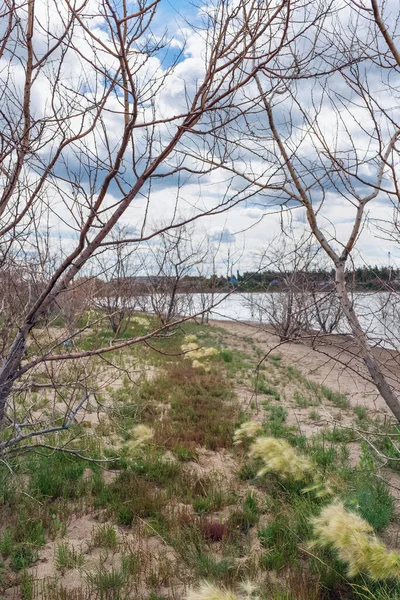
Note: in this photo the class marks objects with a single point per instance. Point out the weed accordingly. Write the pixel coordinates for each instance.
(214, 499)
(373, 501)
(338, 434)
(56, 475)
(276, 358)
(302, 401)
(6, 544)
(226, 355)
(106, 585)
(360, 412)
(324, 455)
(339, 400)
(248, 471)
(314, 415)
(209, 567)
(130, 496)
(247, 516)
(130, 563)
(261, 387)
(105, 536)
(67, 557)
(22, 557)
(184, 454)
(27, 586)
(155, 468)
(280, 540)
(272, 559)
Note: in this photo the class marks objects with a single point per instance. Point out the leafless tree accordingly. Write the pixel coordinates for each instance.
(170, 265)
(285, 302)
(116, 295)
(88, 134)
(335, 142)
(89, 139)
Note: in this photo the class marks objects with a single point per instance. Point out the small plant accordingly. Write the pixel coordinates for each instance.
(339, 400)
(276, 358)
(106, 585)
(262, 388)
(215, 499)
(314, 415)
(209, 567)
(27, 586)
(374, 502)
(184, 454)
(226, 355)
(67, 557)
(22, 557)
(360, 412)
(105, 536)
(273, 559)
(130, 563)
(301, 401)
(6, 544)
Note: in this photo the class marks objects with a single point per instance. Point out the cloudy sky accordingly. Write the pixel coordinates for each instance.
(323, 122)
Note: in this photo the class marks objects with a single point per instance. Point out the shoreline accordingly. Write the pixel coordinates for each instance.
(333, 362)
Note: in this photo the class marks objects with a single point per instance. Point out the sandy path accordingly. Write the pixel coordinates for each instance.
(347, 376)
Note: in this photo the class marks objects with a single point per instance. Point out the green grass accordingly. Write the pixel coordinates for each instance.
(56, 475)
(361, 413)
(105, 536)
(338, 399)
(212, 499)
(262, 387)
(186, 522)
(130, 497)
(373, 501)
(107, 584)
(67, 557)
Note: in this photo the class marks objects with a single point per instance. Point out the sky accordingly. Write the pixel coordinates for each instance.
(314, 118)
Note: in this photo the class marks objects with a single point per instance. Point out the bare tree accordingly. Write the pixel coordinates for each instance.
(285, 303)
(335, 141)
(116, 294)
(169, 265)
(89, 135)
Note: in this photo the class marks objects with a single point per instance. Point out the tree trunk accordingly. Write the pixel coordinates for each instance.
(8, 371)
(365, 350)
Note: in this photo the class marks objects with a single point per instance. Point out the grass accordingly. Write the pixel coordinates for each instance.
(198, 415)
(338, 399)
(67, 557)
(107, 584)
(373, 501)
(361, 413)
(105, 536)
(130, 497)
(262, 387)
(245, 517)
(189, 506)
